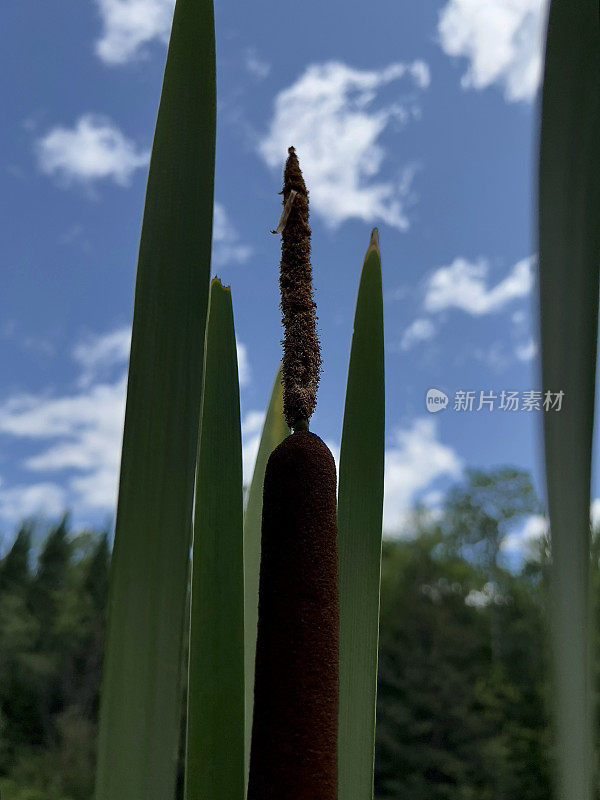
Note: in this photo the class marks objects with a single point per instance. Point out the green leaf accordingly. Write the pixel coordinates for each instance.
(215, 734)
(360, 509)
(141, 691)
(569, 247)
(274, 431)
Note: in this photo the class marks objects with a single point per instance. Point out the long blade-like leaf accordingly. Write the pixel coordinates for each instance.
(569, 249)
(215, 733)
(360, 508)
(274, 431)
(141, 689)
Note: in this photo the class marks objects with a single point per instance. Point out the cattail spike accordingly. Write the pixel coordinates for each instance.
(301, 349)
(296, 690)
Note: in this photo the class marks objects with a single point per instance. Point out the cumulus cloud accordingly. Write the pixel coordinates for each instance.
(99, 352)
(129, 25)
(463, 285)
(420, 330)
(80, 433)
(502, 41)
(466, 286)
(226, 247)
(328, 115)
(94, 149)
(415, 461)
(31, 500)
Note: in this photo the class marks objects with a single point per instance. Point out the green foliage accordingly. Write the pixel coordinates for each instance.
(14, 568)
(215, 694)
(457, 718)
(360, 511)
(141, 693)
(51, 636)
(479, 512)
(452, 721)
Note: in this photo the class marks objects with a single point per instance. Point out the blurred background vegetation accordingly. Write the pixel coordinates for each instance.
(463, 673)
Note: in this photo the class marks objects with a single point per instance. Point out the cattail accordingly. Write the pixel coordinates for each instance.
(294, 732)
(301, 351)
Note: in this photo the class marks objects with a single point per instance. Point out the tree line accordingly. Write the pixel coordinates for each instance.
(464, 692)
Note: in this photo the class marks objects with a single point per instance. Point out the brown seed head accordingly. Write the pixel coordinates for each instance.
(301, 350)
(296, 690)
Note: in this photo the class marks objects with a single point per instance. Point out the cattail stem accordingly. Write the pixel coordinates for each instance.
(294, 730)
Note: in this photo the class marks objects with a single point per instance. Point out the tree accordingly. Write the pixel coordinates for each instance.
(462, 714)
(479, 512)
(14, 567)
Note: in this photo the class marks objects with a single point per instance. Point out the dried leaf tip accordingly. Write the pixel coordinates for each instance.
(216, 281)
(373, 242)
(301, 349)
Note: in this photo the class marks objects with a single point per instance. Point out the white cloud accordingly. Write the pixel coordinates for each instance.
(417, 459)
(463, 285)
(104, 349)
(527, 351)
(335, 452)
(83, 433)
(595, 512)
(32, 500)
(249, 452)
(256, 66)
(420, 330)
(419, 71)
(97, 353)
(129, 25)
(243, 364)
(433, 499)
(226, 248)
(252, 425)
(94, 149)
(253, 422)
(534, 527)
(502, 41)
(327, 116)
(79, 434)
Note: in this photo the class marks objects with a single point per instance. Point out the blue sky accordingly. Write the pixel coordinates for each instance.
(417, 118)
